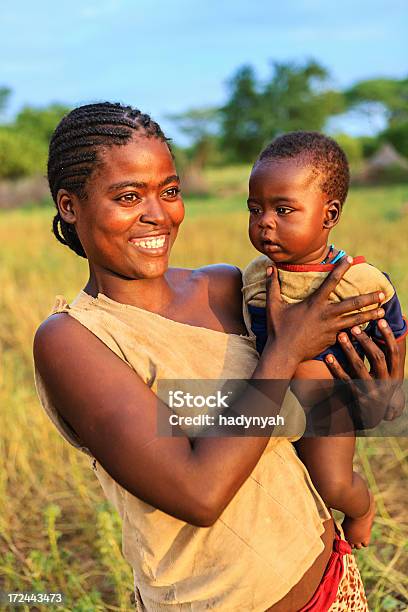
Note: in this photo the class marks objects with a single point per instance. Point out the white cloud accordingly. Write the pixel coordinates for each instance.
(102, 8)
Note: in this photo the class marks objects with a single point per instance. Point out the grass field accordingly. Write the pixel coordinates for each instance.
(56, 530)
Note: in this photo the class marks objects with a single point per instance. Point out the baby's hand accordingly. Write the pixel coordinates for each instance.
(357, 531)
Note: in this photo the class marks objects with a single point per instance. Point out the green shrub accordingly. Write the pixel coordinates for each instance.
(19, 155)
(397, 135)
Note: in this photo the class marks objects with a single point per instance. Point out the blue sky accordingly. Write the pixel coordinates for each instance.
(167, 57)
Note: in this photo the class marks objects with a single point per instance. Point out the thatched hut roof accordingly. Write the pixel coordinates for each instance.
(387, 156)
(385, 166)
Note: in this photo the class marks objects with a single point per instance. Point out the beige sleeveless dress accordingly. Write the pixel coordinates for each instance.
(269, 534)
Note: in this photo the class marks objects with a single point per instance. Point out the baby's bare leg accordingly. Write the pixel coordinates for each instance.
(329, 461)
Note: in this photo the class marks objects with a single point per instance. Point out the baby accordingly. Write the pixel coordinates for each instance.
(297, 189)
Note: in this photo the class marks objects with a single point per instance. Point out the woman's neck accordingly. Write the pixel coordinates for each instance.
(153, 294)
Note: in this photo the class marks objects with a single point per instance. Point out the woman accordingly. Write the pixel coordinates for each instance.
(268, 536)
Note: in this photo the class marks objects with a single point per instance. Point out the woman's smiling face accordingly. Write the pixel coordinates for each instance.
(130, 218)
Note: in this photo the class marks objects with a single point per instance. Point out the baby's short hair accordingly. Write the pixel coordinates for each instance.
(326, 158)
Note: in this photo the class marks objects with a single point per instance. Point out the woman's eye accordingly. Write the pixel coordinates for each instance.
(128, 197)
(172, 192)
(282, 210)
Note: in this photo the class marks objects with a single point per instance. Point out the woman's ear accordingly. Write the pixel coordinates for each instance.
(331, 214)
(66, 206)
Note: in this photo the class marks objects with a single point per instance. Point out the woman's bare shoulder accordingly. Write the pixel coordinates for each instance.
(218, 271)
(223, 278)
(223, 281)
(53, 334)
(62, 334)
(224, 284)
(219, 286)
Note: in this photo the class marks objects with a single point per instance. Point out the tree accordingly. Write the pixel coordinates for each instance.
(20, 156)
(39, 123)
(200, 125)
(390, 97)
(241, 117)
(296, 97)
(397, 135)
(392, 94)
(24, 143)
(5, 93)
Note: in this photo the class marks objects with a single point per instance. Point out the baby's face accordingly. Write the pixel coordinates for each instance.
(287, 212)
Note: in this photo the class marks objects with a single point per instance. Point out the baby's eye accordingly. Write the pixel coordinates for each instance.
(173, 192)
(254, 211)
(283, 210)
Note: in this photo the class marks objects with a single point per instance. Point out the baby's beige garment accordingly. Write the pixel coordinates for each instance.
(297, 282)
(269, 534)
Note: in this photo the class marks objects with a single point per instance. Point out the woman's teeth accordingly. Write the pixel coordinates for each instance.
(154, 243)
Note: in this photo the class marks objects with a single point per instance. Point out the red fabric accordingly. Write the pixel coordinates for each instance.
(316, 267)
(326, 592)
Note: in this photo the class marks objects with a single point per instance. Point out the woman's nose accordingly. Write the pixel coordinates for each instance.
(154, 212)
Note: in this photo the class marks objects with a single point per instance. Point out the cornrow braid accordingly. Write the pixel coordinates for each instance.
(325, 156)
(74, 147)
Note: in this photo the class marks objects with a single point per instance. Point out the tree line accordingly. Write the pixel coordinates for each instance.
(24, 141)
(295, 96)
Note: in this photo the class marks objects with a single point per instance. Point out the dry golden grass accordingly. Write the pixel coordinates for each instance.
(56, 530)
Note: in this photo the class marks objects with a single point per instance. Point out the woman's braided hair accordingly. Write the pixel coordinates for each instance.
(73, 152)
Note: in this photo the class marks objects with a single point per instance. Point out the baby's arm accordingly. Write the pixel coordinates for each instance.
(329, 459)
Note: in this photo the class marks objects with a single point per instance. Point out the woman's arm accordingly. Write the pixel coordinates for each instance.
(114, 413)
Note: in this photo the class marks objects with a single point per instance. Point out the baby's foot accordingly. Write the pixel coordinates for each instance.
(357, 531)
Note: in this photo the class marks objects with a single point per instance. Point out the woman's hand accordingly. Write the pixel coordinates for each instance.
(311, 326)
(377, 392)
